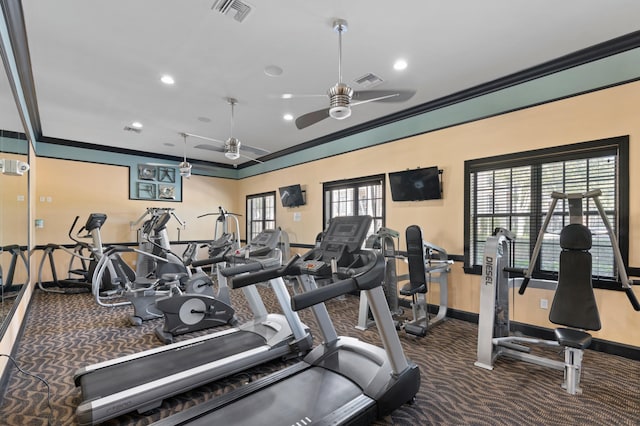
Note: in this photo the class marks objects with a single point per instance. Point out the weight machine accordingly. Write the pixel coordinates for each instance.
(227, 226)
(428, 264)
(574, 305)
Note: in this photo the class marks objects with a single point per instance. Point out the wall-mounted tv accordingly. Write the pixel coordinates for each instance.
(292, 196)
(416, 184)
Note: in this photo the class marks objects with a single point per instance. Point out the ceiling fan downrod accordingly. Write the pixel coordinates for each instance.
(340, 95)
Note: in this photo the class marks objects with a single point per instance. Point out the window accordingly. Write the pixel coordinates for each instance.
(513, 191)
(261, 213)
(355, 197)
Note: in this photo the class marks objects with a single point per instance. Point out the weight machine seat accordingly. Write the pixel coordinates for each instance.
(573, 338)
(574, 304)
(415, 258)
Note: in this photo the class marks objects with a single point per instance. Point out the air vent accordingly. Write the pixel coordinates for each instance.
(132, 129)
(232, 8)
(368, 80)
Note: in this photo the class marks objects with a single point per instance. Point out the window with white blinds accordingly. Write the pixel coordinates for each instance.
(261, 213)
(355, 197)
(513, 192)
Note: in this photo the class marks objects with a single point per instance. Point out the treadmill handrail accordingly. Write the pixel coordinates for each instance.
(264, 275)
(322, 294)
(365, 278)
(241, 269)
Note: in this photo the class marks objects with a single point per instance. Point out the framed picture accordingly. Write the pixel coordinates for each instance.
(155, 182)
(146, 190)
(147, 172)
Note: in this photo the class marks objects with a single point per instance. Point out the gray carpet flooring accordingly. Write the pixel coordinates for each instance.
(67, 332)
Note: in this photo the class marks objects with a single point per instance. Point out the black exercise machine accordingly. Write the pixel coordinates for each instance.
(428, 265)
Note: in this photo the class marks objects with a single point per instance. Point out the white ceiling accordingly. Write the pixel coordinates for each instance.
(97, 64)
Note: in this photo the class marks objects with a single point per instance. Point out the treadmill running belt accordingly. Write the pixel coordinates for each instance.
(120, 377)
(304, 398)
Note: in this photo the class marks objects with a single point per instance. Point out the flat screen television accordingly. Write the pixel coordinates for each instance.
(416, 185)
(291, 196)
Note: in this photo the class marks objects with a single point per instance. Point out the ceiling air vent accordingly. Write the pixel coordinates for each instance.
(368, 80)
(132, 129)
(233, 8)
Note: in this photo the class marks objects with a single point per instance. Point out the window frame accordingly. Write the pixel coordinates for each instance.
(619, 145)
(264, 220)
(354, 183)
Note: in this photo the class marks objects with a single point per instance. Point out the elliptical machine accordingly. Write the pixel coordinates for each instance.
(79, 278)
(189, 312)
(149, 238)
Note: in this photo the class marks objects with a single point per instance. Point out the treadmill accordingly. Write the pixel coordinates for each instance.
(341, 381)
(143, 380)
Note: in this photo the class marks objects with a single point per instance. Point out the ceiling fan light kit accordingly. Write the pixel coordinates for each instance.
(340, 97)
(232, 149)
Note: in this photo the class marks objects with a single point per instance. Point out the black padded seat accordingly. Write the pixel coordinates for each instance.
(410, 289)
(573, 338)
(574, 304)
(415, 259)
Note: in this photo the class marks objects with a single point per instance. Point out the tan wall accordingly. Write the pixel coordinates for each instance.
(67, 189)
(597, 115)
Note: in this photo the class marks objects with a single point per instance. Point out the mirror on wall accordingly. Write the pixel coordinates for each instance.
(14, 203)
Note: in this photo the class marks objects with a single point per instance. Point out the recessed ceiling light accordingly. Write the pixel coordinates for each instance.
(169, 144)
(287, 96)
(400, 64)
(273, 71)
(136, 125)
(167, 79)
(204, 119)
(288, 117)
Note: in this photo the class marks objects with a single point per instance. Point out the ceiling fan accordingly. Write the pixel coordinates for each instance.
(148, 170)
(232, 146)
(342, 97)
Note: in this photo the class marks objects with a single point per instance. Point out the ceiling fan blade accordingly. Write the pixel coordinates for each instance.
(382, 96)
(252, 159)
(299, 95)
(205, 167)
(209, 147)
(310, 118)
(205, 138)
(254, 150)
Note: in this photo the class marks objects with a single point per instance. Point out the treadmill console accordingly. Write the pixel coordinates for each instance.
(265, 242)
(348, 231)
(340, 244)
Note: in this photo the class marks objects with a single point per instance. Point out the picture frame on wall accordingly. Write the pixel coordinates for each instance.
(155, 182)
